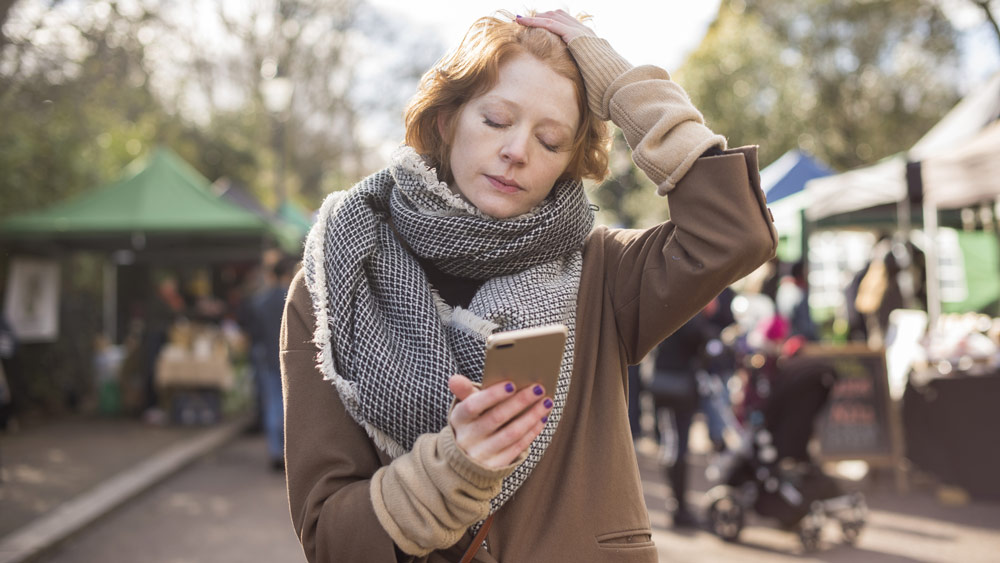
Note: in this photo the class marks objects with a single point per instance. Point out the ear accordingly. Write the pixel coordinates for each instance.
(444, 124)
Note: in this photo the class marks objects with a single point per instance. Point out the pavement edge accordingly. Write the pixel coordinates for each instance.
(45, 532)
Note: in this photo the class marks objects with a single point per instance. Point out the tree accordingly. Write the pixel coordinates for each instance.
(850, 82)
(984, 5)
(70, 123)
(85, 87)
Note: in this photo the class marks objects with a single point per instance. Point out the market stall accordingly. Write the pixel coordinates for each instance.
(160, 220)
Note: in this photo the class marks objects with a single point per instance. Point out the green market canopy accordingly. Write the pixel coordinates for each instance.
(160, 202)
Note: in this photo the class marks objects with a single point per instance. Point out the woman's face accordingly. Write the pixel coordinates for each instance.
(513, 142)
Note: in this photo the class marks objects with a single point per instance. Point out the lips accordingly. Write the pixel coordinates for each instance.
(504, 185)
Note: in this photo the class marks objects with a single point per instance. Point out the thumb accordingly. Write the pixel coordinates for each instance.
(461, 386)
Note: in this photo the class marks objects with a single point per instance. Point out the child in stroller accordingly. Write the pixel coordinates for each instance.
(771, 472)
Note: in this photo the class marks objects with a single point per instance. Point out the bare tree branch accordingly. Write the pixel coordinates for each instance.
(985, 5)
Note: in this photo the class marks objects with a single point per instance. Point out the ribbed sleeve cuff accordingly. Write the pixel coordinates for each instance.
(427, 498)
(692, 139)
(600, 65)
(466, 468)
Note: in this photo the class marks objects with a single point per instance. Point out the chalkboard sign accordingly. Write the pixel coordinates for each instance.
(858, 421)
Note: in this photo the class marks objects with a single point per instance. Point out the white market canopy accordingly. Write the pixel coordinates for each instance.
(885, 182)
(966, 175)
(862, 188)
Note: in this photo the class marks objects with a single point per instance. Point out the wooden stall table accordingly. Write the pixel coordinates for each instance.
(950, 425)
(191, 374)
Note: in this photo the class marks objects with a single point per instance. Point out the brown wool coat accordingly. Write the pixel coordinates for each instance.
(583, 502)
(352, 503)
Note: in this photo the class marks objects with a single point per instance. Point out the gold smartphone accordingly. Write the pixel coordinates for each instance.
(526, 357)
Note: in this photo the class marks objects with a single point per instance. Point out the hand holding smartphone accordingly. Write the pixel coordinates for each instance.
(526, 356)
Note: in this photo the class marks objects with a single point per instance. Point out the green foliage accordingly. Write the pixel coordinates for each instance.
(850, 82)
(87, 87)
(71, 125)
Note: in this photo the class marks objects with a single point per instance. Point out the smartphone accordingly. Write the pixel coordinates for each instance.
(526, 356)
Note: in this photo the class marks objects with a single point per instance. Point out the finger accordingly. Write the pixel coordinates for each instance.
(461, 386)
(508, 455)
(567, 31)
(473, 427)
(512, 440)
(543, 22)
(520, 430)
(559, 15)
(506, 411)
(473, 405)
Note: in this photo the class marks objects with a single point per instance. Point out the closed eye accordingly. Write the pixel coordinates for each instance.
(489, 122)
(548, 147)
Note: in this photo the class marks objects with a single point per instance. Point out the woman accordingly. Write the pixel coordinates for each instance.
(392, 452)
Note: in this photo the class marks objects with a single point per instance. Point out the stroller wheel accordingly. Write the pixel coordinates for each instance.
(809, 536)
(809, 529)
(851, 530)
(725, 516)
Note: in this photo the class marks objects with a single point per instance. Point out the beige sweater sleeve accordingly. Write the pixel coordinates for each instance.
(350, 502)
(427, 498)
(666, 132)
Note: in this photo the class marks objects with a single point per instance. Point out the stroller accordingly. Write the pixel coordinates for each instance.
(771, 472)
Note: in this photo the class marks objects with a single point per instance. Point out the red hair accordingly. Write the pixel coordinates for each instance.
(473, 68)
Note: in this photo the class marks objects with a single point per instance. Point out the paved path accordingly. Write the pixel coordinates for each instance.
(229, 507)
(43, 467)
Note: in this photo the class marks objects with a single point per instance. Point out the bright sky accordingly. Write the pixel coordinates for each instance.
(659, 32)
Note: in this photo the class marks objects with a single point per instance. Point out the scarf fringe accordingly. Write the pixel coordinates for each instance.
(463, 319)
(443, 308)
(467, 321)
(348, 395)
(412, 162)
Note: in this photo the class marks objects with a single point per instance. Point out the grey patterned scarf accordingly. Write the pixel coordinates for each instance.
(387, 340)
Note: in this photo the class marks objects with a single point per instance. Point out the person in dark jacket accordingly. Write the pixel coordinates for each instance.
(266, 309)
(678, 359)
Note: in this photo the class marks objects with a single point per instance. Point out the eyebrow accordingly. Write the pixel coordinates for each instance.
(493, 98)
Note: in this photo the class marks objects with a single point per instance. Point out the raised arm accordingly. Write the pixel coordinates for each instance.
(720, 229)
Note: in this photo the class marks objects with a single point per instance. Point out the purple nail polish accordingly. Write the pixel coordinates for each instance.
(547, 403)
(545, 419)
(509, 387)
(517, 17)
(538, 390)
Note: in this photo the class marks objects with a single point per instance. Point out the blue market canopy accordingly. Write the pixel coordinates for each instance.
(788, 175)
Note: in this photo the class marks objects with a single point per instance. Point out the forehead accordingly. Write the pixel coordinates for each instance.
(531, 87)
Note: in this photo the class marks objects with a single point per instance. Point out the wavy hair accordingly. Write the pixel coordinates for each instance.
(474, 67)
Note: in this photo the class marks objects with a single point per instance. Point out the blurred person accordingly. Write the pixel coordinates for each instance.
(166, 306)
(857, 329)
(720, 364)
(792, 302)
(8, 347)
(256, 284)
(266, 310)
(879, 292)
(480, 224)
(678, 360)
(769, 286)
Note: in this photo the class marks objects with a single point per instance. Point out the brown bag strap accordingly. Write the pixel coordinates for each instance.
(477, 541)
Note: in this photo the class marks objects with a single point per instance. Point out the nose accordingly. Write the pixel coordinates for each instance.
(515, 148)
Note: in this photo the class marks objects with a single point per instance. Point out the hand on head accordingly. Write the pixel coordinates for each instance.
(558, 22)
(494, 425)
